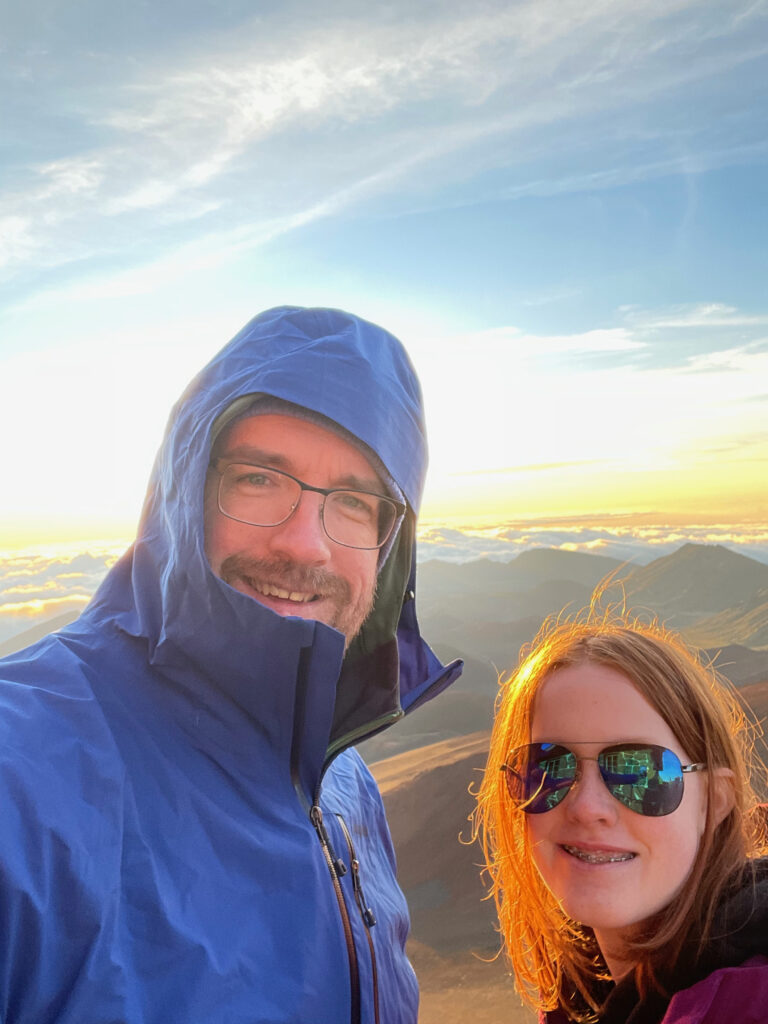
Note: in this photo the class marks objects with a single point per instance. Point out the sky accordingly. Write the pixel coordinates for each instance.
(559, 206)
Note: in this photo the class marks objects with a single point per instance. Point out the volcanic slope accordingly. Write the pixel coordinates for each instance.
(453, 943)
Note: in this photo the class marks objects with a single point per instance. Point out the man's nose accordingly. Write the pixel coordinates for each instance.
(589, 799)
(302, 537)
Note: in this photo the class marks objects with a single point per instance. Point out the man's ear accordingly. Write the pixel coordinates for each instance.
(723, 794)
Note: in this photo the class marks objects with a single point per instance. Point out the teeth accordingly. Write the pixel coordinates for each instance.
(597, 858)
(270, 590)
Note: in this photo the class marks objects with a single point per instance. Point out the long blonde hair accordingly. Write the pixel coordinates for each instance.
(555, 960)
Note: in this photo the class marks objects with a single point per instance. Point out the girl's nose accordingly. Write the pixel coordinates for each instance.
(589, 799)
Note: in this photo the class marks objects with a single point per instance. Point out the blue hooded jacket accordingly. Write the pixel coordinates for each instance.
(187, 834)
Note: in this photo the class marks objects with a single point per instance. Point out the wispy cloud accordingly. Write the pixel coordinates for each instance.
(600, 340)
(693, 317)
(299, 122)
(614, 177)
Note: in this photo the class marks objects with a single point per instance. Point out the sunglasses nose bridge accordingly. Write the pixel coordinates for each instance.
(588, 794)
(579, 770)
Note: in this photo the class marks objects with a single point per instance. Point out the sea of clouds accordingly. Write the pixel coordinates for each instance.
(616, 537)
(38, 584)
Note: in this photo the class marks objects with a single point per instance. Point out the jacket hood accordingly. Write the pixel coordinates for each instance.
(163, 590)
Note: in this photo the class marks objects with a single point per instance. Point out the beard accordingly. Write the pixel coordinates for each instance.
(332, 601)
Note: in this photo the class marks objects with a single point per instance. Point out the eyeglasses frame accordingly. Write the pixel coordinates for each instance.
(398, 506)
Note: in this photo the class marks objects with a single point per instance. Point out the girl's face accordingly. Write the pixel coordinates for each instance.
(611, 867)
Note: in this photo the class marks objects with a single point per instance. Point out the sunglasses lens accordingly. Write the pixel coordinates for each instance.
(645, 778)
(539, 775)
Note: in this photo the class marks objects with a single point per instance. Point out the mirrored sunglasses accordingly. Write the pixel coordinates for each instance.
(646, 778)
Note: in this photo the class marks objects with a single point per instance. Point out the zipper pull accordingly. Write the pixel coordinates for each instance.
(367, 914)
(336, 863)
(365, 911)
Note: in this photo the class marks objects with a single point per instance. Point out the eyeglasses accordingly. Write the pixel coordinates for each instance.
(261, 496)
(644, 777)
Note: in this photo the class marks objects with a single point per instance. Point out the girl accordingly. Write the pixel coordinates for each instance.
(615, 819)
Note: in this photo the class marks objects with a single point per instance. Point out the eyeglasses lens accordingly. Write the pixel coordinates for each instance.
(357, 519)
(645, 778)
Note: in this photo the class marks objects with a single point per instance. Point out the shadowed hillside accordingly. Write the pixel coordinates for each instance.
(427, 799)
(696, 581)
(35, 633)
(747, 623)
(463, 608)
(488, 610)
(453, 941)
(483, 611)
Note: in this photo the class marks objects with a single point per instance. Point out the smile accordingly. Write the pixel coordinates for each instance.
(270, 590)
(598, 856)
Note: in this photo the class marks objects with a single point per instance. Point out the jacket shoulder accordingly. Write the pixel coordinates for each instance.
(60, 767)
(54, 685)
(350, 780)
(729, 994)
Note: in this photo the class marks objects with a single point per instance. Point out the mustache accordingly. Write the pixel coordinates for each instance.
(285, 574)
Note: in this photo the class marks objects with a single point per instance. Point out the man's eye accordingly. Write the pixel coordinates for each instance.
(252, 479)
(355, 506)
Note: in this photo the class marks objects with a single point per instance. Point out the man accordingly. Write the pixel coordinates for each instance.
(187, 834)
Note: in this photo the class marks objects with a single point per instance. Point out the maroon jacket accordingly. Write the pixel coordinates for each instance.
(732, 994)
(727, 985)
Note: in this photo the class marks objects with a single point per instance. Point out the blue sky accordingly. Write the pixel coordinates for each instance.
(559, 206)
(540, 162)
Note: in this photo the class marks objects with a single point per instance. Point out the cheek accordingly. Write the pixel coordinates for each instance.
(211, 516)
(689, 829)
(673, 844)
(686, 825)
(224, 537)
(358, 568)
(215, 537)
(537, 832)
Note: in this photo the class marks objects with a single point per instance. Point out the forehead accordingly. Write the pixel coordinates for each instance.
(590, 701)
(296, 445)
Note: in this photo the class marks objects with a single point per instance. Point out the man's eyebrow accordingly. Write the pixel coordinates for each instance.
(257, 456)
(276, 460)
(359, 483)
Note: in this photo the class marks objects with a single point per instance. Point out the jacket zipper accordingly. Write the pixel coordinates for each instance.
(369, 919)
(337, 868)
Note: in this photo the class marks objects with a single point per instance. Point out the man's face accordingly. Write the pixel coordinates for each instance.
(294, 568)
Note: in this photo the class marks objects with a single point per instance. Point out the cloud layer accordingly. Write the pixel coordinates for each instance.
(619, 536)
(36, 585)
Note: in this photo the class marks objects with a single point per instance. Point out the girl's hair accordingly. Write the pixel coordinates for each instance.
(556, 961)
